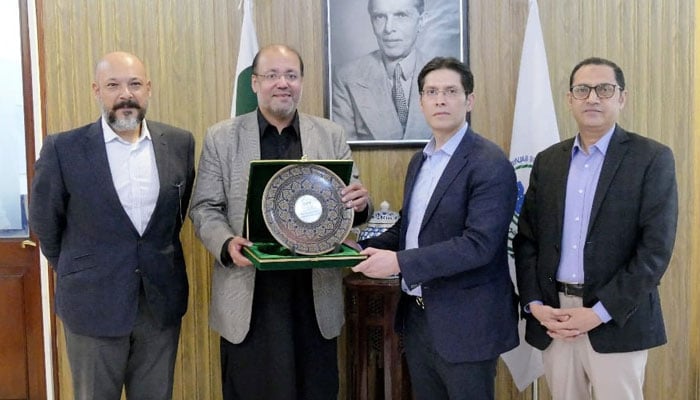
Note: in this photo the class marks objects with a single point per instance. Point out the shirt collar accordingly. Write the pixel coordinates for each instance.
(602, 143)
(263, 124)
(109, 134)
(451, 145)
(408, 64)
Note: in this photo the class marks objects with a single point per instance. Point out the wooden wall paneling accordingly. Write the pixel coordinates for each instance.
(383, 172)
(299, 24)
(190, 51)
(494, 58)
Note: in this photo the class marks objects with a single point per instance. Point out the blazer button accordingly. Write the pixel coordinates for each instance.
(138, 271)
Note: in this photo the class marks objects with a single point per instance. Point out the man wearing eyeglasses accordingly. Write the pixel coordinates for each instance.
(458, 311)
(278, 328)
(595, 236)
(375, 97)
(108, 201)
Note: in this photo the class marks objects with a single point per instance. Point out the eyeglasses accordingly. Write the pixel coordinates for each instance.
(603, 91)
(274, 76)
(449, 92)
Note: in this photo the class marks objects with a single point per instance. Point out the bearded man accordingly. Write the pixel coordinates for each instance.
(107, 203)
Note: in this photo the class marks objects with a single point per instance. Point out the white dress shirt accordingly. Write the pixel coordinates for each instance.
(134, 174)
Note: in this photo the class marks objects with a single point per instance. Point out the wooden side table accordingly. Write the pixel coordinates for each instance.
(376, 367)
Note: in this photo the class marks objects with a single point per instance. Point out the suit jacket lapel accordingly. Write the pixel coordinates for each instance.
(411, 175)
(560, 175)
(613, 157)
(376, 106)
(416, 126)
(249, 138)
(96, 153)
(160, 148)
(309, 139)
(454, 167)
(162, 156)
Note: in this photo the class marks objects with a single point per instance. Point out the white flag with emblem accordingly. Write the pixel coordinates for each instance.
(534, 129)
(244, 100)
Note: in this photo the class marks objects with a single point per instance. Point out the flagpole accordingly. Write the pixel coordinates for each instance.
(535, 390)
(534, 129)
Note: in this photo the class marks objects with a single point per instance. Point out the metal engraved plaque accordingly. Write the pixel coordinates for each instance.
(303, 210)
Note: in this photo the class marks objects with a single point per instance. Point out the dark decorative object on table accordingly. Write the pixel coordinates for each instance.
(380, 222)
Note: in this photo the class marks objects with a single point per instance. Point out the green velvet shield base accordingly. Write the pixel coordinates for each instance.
(273, 256)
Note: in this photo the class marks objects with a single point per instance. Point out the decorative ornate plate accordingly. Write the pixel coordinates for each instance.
(303, 210)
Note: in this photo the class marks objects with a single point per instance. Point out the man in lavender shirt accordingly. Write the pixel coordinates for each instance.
(595, 236)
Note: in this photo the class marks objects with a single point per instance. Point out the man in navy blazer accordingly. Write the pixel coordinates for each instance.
(595, 236)
(458, 312)
(107, 202)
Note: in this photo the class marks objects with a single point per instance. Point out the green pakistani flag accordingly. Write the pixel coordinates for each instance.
(244, 100)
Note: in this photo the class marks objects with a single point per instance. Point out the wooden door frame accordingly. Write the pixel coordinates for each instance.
(50, 329)
(38, 387)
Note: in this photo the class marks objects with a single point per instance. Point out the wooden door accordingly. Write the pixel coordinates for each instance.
(21, 345)
(22, 370)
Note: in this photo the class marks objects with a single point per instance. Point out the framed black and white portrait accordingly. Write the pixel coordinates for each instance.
(376, 48)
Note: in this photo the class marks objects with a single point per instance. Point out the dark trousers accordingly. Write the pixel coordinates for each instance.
(284, 356)
(434, 378)
(142, 363)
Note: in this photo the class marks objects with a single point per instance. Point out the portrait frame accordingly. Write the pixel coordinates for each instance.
(361, 104)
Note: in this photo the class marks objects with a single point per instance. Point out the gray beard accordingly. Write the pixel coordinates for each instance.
(125, 124)
(283, 112)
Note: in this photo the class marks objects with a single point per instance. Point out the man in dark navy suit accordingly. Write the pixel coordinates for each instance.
(458, 311)
(107, 203)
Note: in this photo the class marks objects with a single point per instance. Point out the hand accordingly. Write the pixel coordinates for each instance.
(566, 323)
(379, 263)
(549, 317)
(580, 320)
(355, 196)
(234, 250)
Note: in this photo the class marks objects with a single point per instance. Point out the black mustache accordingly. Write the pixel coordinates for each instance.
(126, 104)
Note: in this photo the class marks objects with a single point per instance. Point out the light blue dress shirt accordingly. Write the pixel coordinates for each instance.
(584, 172)
(434, 164)
(134, 174)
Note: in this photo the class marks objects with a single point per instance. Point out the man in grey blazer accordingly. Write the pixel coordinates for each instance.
(107, 202)
(364, 89)
(595, 236)
(278, 328)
